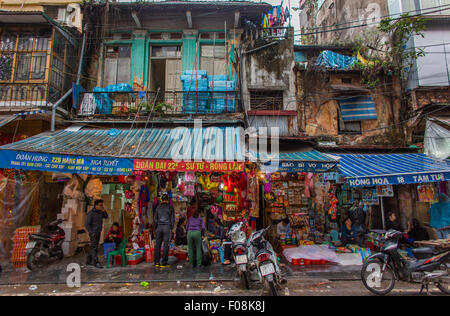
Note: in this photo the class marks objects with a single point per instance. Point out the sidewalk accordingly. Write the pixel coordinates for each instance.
(55, 273)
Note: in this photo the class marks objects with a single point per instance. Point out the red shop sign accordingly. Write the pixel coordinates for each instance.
(201, 166)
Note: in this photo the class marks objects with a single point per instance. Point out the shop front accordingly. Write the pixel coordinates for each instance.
(403, 184)
(130, 170)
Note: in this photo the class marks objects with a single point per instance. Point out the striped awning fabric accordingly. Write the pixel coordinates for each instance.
(388, 169)
(358, 109)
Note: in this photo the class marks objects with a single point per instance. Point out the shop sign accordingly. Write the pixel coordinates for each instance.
(370, 196)
(65, 163)
(402, 179)
(201, 166)
(301, 166)
(385, 190)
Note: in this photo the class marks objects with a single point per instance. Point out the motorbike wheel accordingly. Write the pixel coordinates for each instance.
(244, 280)
(273, 288)
(60, 254)
(32, 261)
(382, 286)
(444, 286)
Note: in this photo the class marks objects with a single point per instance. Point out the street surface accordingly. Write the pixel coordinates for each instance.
(309, 287)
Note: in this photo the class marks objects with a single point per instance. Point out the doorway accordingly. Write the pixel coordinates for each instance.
(165, 74)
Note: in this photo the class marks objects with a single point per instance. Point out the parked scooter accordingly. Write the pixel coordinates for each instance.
(45, 245)
(380, 270)
(239, 246)
(262, 257)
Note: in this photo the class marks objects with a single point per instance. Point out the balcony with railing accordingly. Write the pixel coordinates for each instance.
(157, 103)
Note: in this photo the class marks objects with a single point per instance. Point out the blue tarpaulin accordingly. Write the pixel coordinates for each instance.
(334, 60)
(104, 102)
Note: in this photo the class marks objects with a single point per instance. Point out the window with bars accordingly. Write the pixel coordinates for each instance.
(36, 64)
(24, 54)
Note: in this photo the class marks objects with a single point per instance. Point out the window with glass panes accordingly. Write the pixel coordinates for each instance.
(212, 59)
(117, 65)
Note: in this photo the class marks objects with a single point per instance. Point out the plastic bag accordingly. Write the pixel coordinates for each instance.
(94, 189)
(71, 189)
(206, 255)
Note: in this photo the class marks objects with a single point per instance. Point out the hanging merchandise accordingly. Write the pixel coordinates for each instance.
(189, 176)
(129, 194)
(94, 189)
(332, 211)
(309, 184)
(144, 198)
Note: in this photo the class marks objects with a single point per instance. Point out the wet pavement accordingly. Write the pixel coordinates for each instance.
(56, 273)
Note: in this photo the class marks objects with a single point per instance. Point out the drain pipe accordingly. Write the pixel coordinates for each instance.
(80, 64)
(54, 106)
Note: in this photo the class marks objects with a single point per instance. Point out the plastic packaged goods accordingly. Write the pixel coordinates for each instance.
(94, 189)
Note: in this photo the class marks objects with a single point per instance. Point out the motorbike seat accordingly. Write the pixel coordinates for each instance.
(44, 235)
(422, 251)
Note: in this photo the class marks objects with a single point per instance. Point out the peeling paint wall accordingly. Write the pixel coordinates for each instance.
(319, 109)
(345, 15)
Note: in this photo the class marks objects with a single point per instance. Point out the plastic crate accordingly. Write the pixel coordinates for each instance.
(135, 262)
(108, 247)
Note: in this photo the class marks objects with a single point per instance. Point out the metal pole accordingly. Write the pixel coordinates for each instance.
(382, 212)
(82, 55)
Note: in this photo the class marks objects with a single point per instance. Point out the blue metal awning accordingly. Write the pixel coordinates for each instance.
(307, 161)
(357, 109)
(373, 170)
(112, 151)
(12, 117)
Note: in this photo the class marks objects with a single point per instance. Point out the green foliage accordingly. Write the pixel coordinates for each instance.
(159, 109)
(398, 59)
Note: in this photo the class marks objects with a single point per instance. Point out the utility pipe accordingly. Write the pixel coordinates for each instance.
(54, 106)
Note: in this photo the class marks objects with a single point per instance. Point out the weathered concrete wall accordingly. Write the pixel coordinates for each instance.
(319, 109)
(269, 68)
(345, 15)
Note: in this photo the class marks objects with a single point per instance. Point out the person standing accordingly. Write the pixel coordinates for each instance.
(164, 222)
(440, 216)
(94, 226)
(195, 229)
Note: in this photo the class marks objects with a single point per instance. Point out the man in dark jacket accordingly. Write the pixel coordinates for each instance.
(164, 222)
(94, 226)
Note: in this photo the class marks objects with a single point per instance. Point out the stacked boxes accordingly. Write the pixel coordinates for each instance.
(74, 216)
(223, 99)
(20, 240)
(195, 91)
(201, 93)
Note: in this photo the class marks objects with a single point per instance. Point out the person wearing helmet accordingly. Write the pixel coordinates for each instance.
(164, 222)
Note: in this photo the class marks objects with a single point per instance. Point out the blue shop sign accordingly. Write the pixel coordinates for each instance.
(65, 163)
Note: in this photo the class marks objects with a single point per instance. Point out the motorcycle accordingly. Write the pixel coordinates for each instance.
(239, 246)
(262, 257)
(45, 245)
(380, 270)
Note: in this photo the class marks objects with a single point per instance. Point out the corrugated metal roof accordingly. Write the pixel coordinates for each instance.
(212, 143)
(309, 156)
(358, 108)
